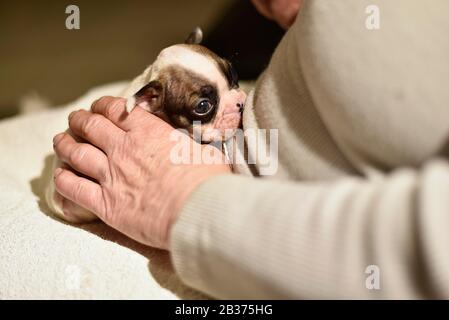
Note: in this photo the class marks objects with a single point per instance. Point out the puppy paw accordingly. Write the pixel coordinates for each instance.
(62, 208)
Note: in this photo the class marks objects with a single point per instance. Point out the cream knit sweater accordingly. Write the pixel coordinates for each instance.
(363, 177)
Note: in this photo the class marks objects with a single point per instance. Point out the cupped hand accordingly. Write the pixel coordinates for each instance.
(124, 173)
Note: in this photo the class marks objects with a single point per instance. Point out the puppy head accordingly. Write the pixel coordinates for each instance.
(189, 83)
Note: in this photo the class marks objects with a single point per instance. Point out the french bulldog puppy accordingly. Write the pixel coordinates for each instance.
(186, 83)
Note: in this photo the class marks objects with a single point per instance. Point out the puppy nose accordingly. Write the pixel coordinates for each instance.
(241, 106)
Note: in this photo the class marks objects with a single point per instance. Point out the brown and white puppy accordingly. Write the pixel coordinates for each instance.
(187, 83)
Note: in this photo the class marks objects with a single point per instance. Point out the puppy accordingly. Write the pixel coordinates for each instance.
(187, 83)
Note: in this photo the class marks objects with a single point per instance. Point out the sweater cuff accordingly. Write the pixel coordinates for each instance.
(191, 235)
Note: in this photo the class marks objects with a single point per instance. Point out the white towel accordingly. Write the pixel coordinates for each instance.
(44, 258)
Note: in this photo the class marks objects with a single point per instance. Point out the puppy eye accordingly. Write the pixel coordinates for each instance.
(203, 107)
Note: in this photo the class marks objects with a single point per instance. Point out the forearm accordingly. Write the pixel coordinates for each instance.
(244, 238)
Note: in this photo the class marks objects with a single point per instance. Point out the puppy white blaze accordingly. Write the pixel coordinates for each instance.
(191, 60)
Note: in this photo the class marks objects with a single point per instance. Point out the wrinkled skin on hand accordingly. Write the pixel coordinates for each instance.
(123, 172)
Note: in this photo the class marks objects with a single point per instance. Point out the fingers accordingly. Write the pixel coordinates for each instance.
(96, 129)
(82, 191)
(82, 157)
(115, 110)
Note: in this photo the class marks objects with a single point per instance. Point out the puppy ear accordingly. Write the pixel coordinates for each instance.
(195, 37)
(150, 96)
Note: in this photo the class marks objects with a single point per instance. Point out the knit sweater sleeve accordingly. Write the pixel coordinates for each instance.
(270, 239)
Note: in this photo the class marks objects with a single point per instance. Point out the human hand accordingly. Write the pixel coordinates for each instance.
(134, 186)
(284, 12)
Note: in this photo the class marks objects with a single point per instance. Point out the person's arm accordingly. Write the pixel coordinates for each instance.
(239, 237)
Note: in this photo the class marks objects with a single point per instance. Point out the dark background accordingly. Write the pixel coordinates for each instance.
(117, 40)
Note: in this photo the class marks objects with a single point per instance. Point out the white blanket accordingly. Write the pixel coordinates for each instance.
(44, 258)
